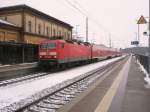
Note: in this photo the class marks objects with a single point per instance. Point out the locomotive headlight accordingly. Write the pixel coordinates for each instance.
(42, 53)
(52, 53)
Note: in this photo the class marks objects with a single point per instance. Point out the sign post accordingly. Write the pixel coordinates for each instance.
(142, 20)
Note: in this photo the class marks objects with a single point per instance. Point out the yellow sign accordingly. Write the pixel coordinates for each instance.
(142, 20)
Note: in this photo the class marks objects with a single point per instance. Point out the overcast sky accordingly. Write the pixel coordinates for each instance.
(115, 17)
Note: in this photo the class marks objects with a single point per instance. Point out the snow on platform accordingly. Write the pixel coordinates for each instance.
(21, 64)
(146, 78)
(12, 94)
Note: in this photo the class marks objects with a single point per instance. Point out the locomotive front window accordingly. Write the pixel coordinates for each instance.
(51, 45)
(43, 46)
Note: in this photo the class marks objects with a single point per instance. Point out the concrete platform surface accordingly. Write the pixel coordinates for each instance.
(122, 90)
(17, 70)
(137, 97)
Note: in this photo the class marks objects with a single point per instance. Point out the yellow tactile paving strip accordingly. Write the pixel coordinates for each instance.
(107, 99)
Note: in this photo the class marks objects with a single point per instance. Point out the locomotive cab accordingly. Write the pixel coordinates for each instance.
(52, 52)
(48, 53)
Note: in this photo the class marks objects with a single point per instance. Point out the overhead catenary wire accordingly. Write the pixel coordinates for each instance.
(92, 19)
(84, 12)
(78, 7)
(74, 6)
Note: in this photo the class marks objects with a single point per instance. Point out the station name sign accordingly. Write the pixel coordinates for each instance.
(134, 42)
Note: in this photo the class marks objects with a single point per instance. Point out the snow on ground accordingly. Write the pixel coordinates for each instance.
(28, 63)
(4, 65)
(12, 94)
(146, 78)
(19, 64)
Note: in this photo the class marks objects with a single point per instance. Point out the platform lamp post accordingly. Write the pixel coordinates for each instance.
(77, 31)
(86, 29)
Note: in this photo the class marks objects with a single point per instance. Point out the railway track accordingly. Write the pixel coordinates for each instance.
(21, 79)
(55, 100)
(27, 77)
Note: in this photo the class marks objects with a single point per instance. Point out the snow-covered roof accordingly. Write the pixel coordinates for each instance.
(6, 22)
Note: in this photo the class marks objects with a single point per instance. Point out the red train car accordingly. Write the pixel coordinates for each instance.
(100, 52)
(55, 52)
(60, 52)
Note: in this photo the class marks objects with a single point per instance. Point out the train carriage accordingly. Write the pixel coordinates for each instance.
(100, 52)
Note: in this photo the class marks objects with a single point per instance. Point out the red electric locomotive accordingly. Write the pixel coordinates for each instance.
(57, 52)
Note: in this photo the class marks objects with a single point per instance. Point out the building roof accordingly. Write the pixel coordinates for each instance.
(6, 22)
(32, 10)
(8, 25)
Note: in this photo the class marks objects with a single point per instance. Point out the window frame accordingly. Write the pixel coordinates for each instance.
(29, 26)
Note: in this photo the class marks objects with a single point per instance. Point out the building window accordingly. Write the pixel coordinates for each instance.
(39, 28)
(5, 18)
(65, 35)
(50, 31)
(54, 32)
(68, 35)
(59, 33)
(29, 26)
(47, 31)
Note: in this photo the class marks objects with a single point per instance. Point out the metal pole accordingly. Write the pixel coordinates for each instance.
(136, 38)
(77, 31)
(110, 40)
(86, 29)
(139, 33)
(149, 40)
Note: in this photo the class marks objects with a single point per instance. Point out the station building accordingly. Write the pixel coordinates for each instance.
(24, 24)
(22, 28)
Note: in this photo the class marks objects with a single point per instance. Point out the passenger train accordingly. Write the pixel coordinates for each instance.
(60, 52)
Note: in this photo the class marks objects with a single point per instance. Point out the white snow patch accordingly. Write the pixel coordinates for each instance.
(146, 78)
(10, 95)
(32, 63)
(6, 22)
(4, 65)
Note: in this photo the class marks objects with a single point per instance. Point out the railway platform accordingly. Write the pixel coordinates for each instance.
(17, 66)
(123, 90)
(8, 71)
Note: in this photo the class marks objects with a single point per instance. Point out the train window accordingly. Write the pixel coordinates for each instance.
(51, 45)
(43, 46)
